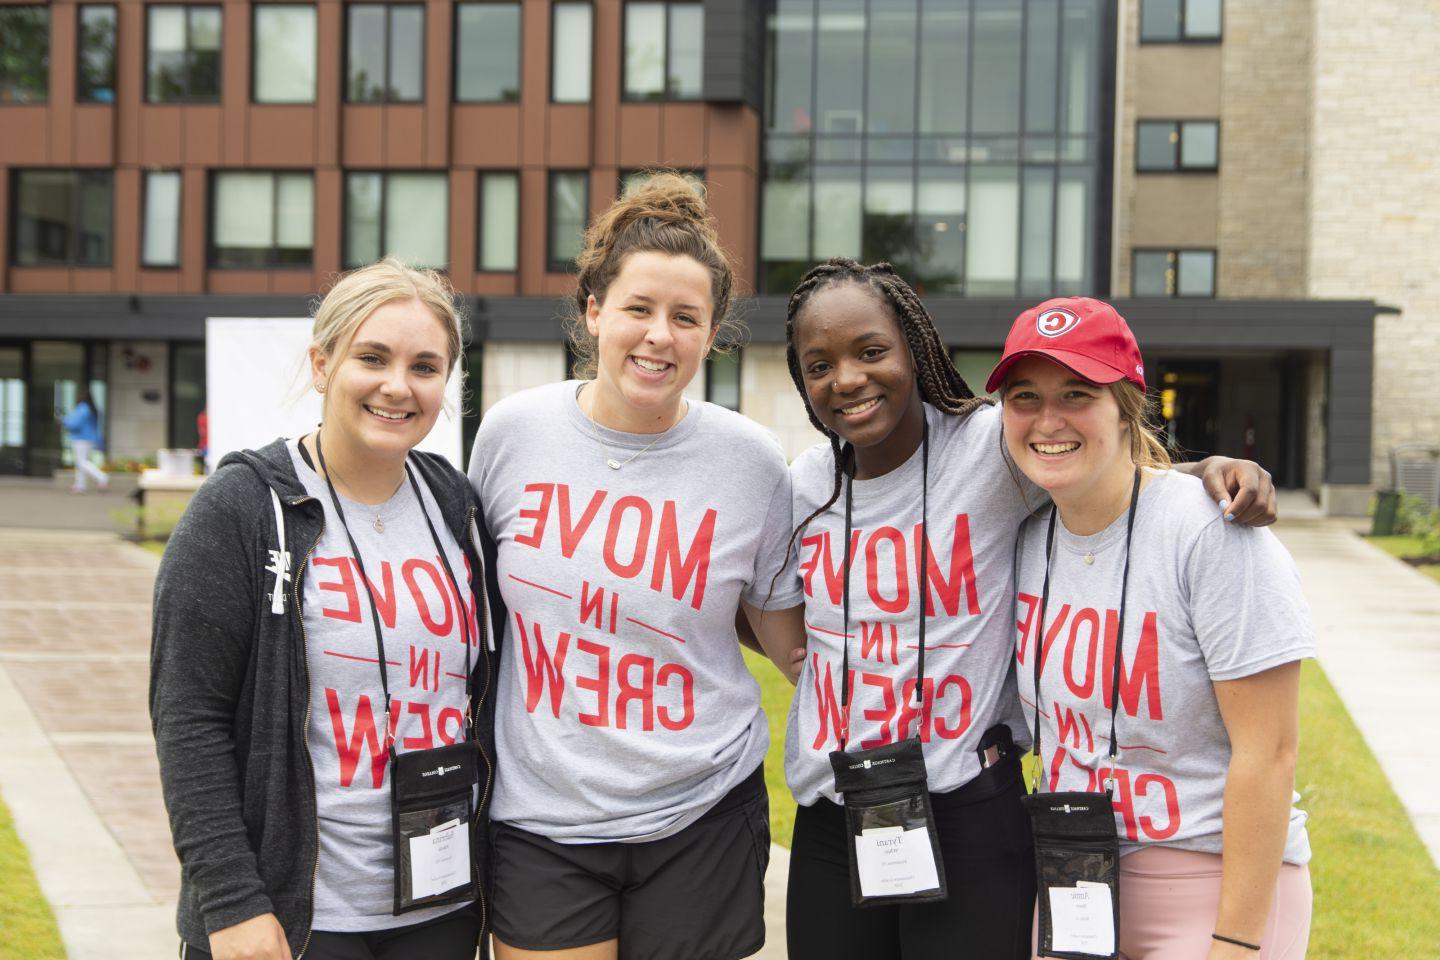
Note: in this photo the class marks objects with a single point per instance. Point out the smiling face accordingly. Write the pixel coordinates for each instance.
(654, 327)
(384, 389)
(1064, 433)
(858, 374)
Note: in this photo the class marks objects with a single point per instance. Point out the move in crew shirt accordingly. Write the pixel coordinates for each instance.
(625, 709)
(1208, 601)
(421, 623)
(976, 505)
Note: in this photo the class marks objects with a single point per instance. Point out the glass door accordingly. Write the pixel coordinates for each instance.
(57, 369)
(12, 409)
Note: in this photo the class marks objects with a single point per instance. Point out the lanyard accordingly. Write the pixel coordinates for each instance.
(370, 595)
(1119, 635)
(845, 682)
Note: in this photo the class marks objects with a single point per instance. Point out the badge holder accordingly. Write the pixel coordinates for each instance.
(432, 792)
(1077, 848)
(893, 846)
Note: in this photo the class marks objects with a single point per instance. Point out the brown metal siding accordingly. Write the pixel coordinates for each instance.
(531, 137)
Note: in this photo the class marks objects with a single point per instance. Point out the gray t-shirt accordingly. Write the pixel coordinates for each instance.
(625, 709)
(976, 505)
(1208, 600)
(425, 657)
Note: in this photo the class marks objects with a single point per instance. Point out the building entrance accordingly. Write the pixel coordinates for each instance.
(1190, 407)
(12, 409)
(40, 382)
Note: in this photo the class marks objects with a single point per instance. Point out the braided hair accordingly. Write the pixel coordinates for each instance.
(940, 383)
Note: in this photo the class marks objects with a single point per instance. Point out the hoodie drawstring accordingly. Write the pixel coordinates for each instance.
(282, 560)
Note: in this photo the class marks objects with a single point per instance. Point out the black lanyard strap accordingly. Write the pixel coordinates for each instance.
(924, 553)
(370, 595)
(1038, 652)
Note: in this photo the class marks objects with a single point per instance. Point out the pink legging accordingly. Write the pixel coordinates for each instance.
(1169, 900)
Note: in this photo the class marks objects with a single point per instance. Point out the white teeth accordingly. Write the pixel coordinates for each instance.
(650, 365)
(387, 415)
(859, 407)
(1055, 447)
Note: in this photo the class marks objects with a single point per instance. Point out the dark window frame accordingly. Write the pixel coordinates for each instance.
(550, 81)
(70, 261)
(555, 264)
(44, 98)
(255, 53)
(1178, 127)
(736, 354)
(665, 96)
(179, 219)
(455, 49)
(1181, 37)
(480, 220)
(271, 263)
(1175, 252)
(188, 97)
(384, 174)
(345, 51)
(80, 54)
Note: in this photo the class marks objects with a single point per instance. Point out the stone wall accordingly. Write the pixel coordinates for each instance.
(1375, 197)
(1264, 142)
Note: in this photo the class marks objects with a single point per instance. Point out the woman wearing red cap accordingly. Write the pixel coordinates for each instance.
(913, 496)
(1186, 738)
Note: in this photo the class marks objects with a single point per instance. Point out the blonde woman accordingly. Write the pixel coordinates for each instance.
(1158, 656)
(315, 630)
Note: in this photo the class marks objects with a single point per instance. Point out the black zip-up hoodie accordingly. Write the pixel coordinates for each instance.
(230, 690)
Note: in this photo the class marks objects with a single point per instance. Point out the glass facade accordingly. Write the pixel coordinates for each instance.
(965, 141)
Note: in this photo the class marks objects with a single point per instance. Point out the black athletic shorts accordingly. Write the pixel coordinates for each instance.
(989, 868)
(454, 936)
(696, 895)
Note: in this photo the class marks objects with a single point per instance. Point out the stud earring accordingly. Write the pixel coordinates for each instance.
(320, 386)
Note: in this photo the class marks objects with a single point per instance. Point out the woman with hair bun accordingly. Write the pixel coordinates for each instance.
(299, 586)
(630, 525)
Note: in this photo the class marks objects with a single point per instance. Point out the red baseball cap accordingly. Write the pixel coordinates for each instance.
(1087, 336)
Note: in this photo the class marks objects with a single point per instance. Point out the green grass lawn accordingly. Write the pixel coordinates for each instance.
(1375, 885)
(1405, 546)
(27, 927)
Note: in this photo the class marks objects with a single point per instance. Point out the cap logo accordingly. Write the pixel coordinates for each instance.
(1053, 323)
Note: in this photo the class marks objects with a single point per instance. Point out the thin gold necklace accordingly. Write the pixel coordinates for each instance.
(610, 461)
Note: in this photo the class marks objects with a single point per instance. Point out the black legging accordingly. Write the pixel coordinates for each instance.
(989, 867)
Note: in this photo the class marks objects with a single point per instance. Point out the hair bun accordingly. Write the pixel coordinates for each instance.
(664, 196)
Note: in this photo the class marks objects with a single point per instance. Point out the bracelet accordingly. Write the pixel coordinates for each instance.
(1239, 943)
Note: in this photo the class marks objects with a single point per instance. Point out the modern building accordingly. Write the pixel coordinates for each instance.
(1242, 179)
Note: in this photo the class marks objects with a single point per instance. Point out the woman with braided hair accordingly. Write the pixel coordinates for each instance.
(913, 492)
(630, 814)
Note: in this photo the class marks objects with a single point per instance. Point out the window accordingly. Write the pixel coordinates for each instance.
(632, 180)
(385, 53)
(160, 238)
(404, 215)
(24, 54)
(1177, 145)
(487, 52)
(664, 50)
(182, 54)
(1173, 273)
(284, 54)
(570, 52)
(974, 366)
(95, 65)
(63, 217)
(499, 221)
(569, 212)
(262, 219)
(722, 379)
(1176, 21)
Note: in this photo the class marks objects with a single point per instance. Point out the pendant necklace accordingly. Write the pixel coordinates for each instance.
(1089, 558)
(610, 461)
(379, 522)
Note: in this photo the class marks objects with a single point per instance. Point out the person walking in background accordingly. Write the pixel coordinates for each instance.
(83, 426)
(1205, 621)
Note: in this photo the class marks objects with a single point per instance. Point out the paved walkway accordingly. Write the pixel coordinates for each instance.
(80, 774)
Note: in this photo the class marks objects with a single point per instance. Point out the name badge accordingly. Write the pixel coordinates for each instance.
(439, 860)
(1082, 918)
(895, 861)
